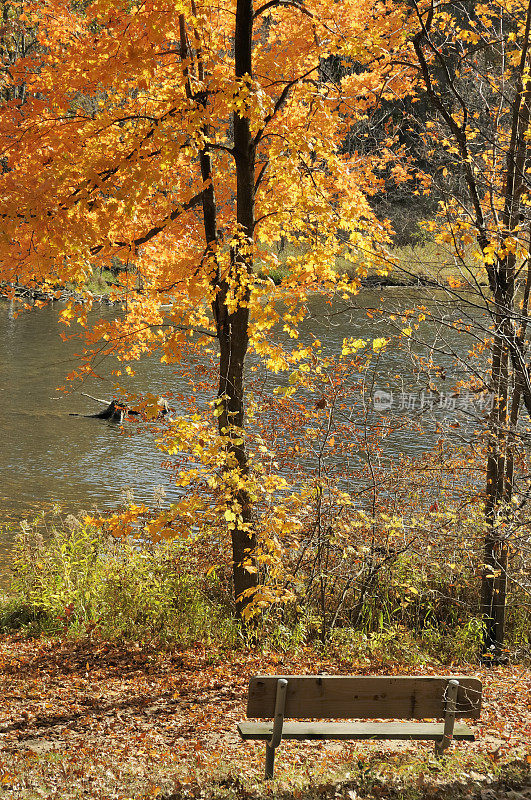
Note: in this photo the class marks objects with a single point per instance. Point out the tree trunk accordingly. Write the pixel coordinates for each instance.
(233, 340)
(506, 344)
(233, 331)
(232, 326)
(497, 494)
(243, 537)
(509, 343)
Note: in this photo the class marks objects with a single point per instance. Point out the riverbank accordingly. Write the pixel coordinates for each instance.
(33, 295)
(429, 264)
(409, 267)
(91, 718)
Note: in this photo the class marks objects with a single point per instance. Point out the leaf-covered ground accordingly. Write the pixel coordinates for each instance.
(93, 719)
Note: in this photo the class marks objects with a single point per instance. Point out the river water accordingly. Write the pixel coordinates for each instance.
(48, 456)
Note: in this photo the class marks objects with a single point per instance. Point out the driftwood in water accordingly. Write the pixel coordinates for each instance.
(117, 410)
(114, 412)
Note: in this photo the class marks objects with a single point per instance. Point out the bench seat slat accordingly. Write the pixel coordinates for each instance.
(427, 731)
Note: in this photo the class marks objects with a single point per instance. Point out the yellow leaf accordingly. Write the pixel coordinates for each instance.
(352, 345)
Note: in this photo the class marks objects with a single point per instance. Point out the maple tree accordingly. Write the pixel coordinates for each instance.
(185, 142)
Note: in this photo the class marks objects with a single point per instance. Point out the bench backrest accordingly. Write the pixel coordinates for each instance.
(346, 697)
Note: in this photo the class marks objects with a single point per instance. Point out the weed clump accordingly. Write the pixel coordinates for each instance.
(75, 577)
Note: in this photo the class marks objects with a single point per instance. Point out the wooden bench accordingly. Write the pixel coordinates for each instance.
(280, 697)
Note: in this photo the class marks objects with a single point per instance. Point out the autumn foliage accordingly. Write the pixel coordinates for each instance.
(200, 149)
(184, 144)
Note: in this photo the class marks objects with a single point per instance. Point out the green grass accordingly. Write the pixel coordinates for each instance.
(101, 283)
(434, 261)
(426, 261)
(397, 775)
(69, 576)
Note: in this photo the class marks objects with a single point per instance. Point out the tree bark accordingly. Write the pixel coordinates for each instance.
(498, 492)
(235, 337)
(507, 346)
(232, 326)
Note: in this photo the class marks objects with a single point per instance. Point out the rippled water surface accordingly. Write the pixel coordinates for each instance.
(47, 455)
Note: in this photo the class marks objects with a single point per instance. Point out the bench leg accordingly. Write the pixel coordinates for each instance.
(280, 702)
(449, 718)
(270, 761)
